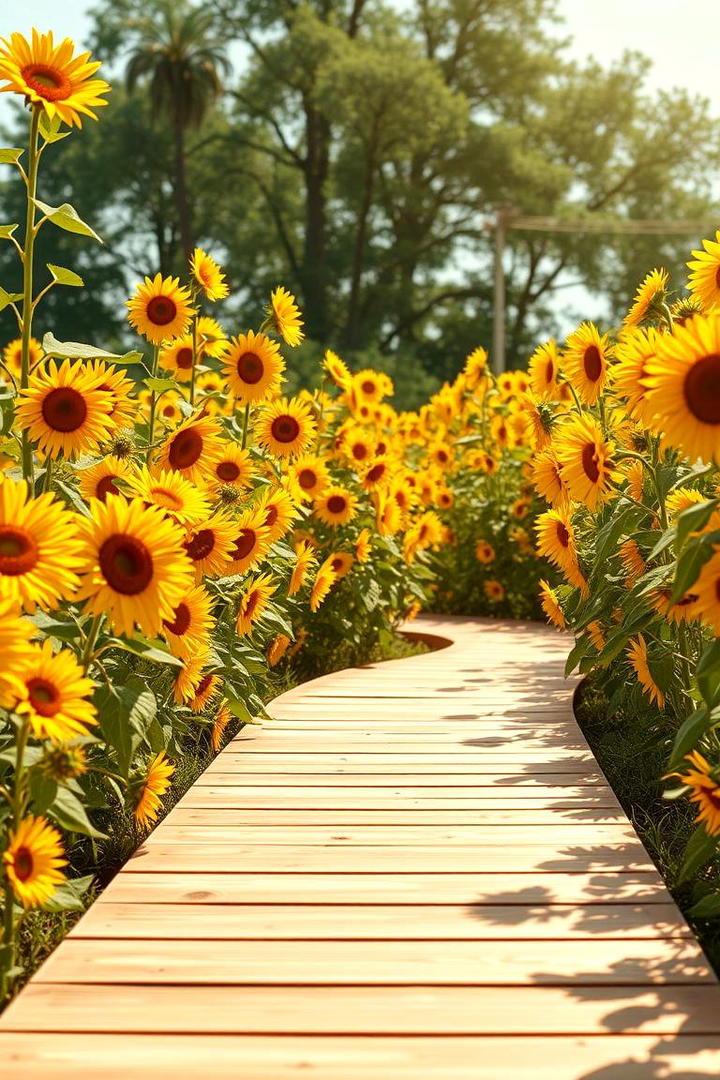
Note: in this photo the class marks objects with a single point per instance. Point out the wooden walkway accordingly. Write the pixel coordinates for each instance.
(417, 870)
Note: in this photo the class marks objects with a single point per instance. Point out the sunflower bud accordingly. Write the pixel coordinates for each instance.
(122, 446)
(229, 493)
(64, 762)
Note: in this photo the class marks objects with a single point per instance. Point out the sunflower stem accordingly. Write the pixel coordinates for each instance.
(17, 803)
(153, 403)
(246, 426)
(87, 654)
(48, 474)
(194, 359)
(27, 304)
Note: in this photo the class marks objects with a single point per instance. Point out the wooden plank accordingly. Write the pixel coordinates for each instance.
(399, 922)
(539, 887)
(223, 817)
(459, 783)
(589, 962)
(345, 858)
(303, 1010)
(399, 767)
(398, 798)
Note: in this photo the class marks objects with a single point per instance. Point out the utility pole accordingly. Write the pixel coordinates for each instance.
(498, 349)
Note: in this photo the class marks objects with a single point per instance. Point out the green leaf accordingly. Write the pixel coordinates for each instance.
(70, 814)
(67, 218)
(688, 734)
(160, 385)
(700, 849)
(694, 556)
(139, 703)
(707, 908)
(239, 709)
(7, 298)
(65, 277)
(707, 674)
(76, 350)
(70, 895)
(56, 628)
(50, 128)
(692, 520)
(6, 231)
(117, 732)
(149, 650)
(10, 155)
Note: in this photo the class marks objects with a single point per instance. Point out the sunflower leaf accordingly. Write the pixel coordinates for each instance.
(62, 276)
(77, 350)
(7, 298)
(688, 734)
(10, 155)
(67, 218)
(6, 231)
(50, 128)
(700, 849)
(68, 812)
(707, 908)
(148, 650)
(159, 386)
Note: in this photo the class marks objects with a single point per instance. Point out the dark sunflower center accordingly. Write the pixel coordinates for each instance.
(181, 622)
(590, 463)
(244, 544)
(185, 449)
(285, 428)
(204, 685)
(271, 516)
(563, 535)
(106, 487)
(184, 358)
(250, 368)
(442, 457)
(592, 362)
(64, 409)
(48, 82)
(23, 864)
(126, 564)
(44, 696)
(376, 473)
(161, 310)
(549, 372)
(167, 499)
(251, 603)
(368, 387)
(201, 545)
(307, 479)
(336, 504)
(227, 471)
(18, 551)
(337, 564)
(702, 389)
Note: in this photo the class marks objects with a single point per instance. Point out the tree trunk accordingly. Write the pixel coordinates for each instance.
(352, 325)
(313, 271)
(181, 194)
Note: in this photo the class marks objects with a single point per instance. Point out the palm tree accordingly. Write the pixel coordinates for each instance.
(181, 58)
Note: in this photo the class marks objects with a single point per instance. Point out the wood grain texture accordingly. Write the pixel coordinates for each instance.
(415, 870)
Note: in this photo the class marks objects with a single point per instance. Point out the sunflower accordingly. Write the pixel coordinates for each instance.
(358, 446)
(253, 367)
(363, 545)
(585, 361)
(475, 367)
(683, 382)
(136, 570)
(206, 690)
(277, 649)
(682, 499)
(556, 539)
(634, 350)
(55, 695)
(208, 275)
(279, 510)
(311, 475)
(370, 386)
(38, 548)
(15, 649)
(100, 479)
(51, 77)
(335, 506)
(193, 448)
(684, 611)
(253, 602)
(548, 479)
(190, 676)
(286, 428)
(188, 631)
(637, 654)
(64, 762)
(284, 314)
(12, 356)
(551, 606)
(153, 787)
(707, 591)
(160, 309)
(494, 591)
(484, 552)
(341, 562)
(632, 560)
(223, 717)
(585, 461)
(252, 540)
(323, 583)
(168, 410)
(543, 370)
(377, 473)
(705, 791)
(209, 544)
(704, 282)
(179, 500)
(648, 298)
(32, 861)
(232, 466)
(177, 357)
(211, 337)
(596, 634)
(388, 515)
(64, 410)
(634, 473)
(304, 561)
(337, 369)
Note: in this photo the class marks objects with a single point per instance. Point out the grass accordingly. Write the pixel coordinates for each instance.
(42, 931)
(633, 753)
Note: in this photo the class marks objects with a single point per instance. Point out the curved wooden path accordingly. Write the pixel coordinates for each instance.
(417, 870)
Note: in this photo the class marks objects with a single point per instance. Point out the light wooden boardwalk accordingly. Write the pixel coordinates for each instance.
(417, 870)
